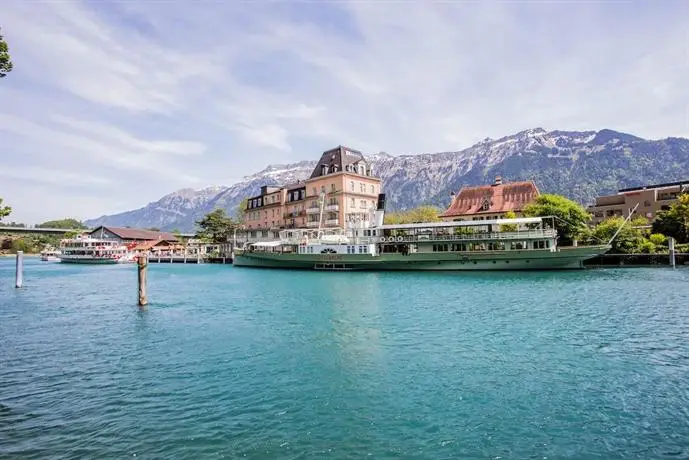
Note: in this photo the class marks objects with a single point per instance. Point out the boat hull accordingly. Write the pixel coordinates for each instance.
(91, 261)
(562, 259)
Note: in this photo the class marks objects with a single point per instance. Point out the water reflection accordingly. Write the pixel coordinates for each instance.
(356, 319)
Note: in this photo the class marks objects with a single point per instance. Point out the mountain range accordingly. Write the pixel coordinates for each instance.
(578, 164)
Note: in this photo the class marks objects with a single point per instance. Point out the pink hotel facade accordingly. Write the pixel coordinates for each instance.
(342, 176)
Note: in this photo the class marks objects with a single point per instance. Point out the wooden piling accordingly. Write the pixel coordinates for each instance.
(19, 270)
(671, 247)
(142, 264)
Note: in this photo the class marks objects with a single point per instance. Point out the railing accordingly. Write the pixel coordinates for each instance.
(332, 222)
(313, 210)
(332, 207)
(531, 234)
(312, 224)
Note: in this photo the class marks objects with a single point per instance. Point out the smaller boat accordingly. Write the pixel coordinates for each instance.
(50, 255)
(87, 250)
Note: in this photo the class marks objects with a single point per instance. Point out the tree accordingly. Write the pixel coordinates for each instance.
(570, 217)
(5, 60)
(674, 222)
(509, 227)
(216, 226)
(629, 240)
(420, 214)
(4, 210)
(239, 213)
(68, 223)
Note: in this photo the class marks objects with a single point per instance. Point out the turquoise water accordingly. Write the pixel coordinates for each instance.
(247, 363)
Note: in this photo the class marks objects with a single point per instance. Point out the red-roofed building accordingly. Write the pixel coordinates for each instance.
(487, 202)
(129, 235)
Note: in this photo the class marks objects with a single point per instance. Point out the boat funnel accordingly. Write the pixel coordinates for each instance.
(380, 211)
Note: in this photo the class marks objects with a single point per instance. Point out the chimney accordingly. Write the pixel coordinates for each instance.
(498, 180)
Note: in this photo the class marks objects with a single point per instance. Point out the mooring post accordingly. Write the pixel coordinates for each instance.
(671, 247)
(142, 263)
(19, 272)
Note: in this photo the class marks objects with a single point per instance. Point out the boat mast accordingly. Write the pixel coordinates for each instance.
(631, 213)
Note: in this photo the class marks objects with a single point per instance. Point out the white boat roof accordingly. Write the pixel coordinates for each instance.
(463, 223)
(267, 244)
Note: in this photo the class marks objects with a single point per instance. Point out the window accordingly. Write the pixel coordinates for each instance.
(352, 203)
(647, 203)
(362, 204)
(351, 185)
(485, 206)
(373, 189)
(332, 187)
(301, 194)
(362, 188)
(315, 191)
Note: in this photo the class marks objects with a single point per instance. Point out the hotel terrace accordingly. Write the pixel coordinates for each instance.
(487, 202)
(342, 176)
(650, 198)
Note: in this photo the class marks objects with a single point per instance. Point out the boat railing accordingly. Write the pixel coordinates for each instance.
(481, 236)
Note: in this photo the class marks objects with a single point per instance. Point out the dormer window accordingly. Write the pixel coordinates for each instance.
(324, 170)
(485, 206)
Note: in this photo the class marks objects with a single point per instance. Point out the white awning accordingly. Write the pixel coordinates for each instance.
(267, 244)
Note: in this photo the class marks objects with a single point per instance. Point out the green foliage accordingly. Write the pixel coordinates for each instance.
(5, 60)
(675, 221)
(25, 245)
(420, 214)
(571, 217)
(216, 226)
(63, 223)
(628, 241)
(509, 227)
(239, 214)
(71, 234)
(658, 239)
(4, 210)
(633, 237)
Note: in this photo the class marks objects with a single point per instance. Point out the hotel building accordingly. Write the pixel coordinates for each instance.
(486, 202)
(342, 179)
(650, 198)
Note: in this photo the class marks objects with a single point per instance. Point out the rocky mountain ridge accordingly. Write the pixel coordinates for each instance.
(577, 164)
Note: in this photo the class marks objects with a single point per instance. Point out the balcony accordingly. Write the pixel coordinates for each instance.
(312, 224)
(332, 207)
(313, 210)
(332, 222)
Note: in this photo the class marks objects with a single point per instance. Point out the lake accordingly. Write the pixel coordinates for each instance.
(248, 363)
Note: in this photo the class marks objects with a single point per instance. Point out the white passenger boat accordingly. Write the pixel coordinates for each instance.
(50, 255)
(500, 244)
(87, 250)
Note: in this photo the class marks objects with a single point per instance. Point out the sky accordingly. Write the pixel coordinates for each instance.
(112, 105)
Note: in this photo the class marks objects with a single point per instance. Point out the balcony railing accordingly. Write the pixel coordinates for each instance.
(332, 222)
(313, 210)
(332, 207)
(312, 224)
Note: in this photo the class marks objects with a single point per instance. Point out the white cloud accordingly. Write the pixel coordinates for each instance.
(187, 96)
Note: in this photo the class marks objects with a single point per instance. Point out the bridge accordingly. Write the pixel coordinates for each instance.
(58, 231)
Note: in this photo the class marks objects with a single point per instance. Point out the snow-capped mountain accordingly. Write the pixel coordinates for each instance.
(580, 165)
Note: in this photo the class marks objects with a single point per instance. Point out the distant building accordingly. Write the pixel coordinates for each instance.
(342, 178)
(130, 235)
(650, 198)
(487, 202)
